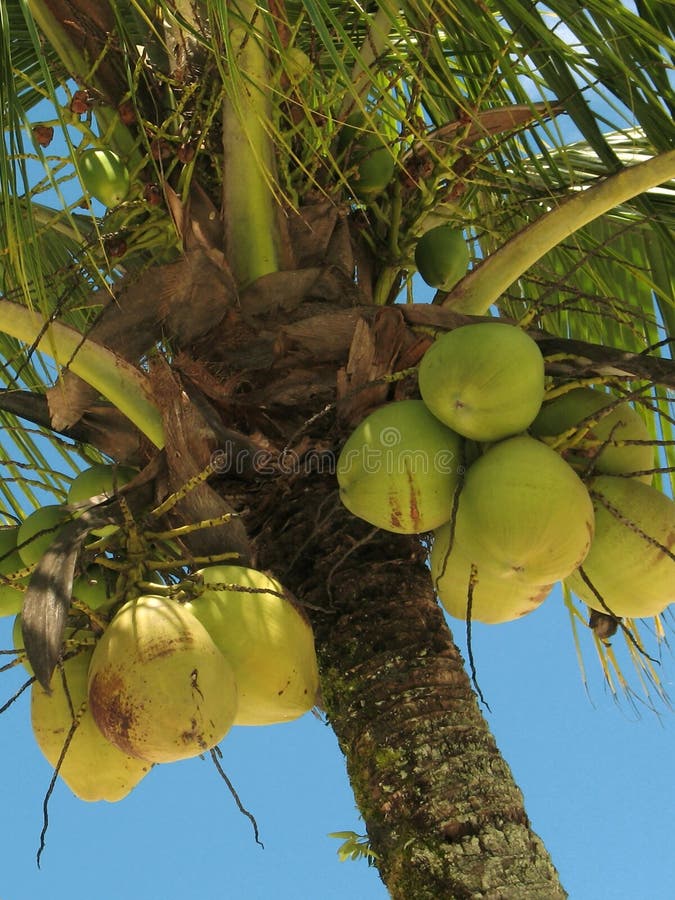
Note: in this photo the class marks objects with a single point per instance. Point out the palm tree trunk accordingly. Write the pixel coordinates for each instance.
(440, 805)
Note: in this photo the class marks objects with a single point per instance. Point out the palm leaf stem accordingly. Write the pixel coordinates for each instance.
(487, 282)
(113, 377)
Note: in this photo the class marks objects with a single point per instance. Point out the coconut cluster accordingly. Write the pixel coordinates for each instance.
(167, 680)
(519, 491)
(155, 678)
(22, 546)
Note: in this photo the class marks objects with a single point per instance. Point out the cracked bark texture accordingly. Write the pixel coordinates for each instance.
(441, 807)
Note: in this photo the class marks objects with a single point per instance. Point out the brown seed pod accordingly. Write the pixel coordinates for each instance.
(126, 112)
(115, 246)
(186, 152)
(81, 103)
(160, 149)
(43, 134)
(152, 194)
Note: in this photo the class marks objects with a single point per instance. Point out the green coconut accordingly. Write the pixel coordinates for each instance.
(38, 531)
(497, 596)
(631, 563)
(525, 508)
(92, 588)
(370, 154)
(266, 640)
(159, 688)
(17, 642)
(104, 176)
(485, 381)
(597, 442)
(11, 594)
(442, 256)
(399, 469)
(101, 480)
(92, 767)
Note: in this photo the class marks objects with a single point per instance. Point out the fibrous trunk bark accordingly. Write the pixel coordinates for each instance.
(442, 810)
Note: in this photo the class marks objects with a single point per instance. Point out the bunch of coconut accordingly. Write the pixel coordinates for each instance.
(167, 680)
(513, 517)
(630, 567)
(22, 546)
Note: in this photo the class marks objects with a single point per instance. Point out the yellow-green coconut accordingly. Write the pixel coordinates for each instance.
(631, 563)
(399, 469)
(485, 381)
(497, 596)
(38, 531)
(11, 589)
(266, 640)
(525, 508)
(598, 442)
(101, 480)
(159, 688)
(92, 767)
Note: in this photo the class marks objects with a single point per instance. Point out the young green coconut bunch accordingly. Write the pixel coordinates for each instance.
(159, 688)
(630, 567)
(266, 640)
(592, 428)
(399, 469)
(65, 730)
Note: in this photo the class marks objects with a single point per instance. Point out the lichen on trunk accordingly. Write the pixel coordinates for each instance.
(442, 810)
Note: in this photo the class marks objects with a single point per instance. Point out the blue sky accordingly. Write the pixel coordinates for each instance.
(597, 779)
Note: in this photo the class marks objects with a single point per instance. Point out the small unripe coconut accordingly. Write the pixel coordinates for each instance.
(38, 531)
(631, 563)
(92, 767)
(524, 507)
(159, 688)
(370, 153)
(498, 595)
(485, 381)
(104, 176)
(597, 443)
(266, 640)
(442, 256)
(399, 469)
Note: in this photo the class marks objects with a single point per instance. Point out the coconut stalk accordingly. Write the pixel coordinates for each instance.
(117, 380)
(482, 287)
(250, 209)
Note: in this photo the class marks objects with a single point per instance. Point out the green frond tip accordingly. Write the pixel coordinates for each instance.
(114, 378)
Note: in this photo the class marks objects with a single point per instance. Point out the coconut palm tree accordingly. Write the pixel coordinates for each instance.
(228, 300)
